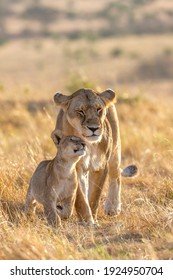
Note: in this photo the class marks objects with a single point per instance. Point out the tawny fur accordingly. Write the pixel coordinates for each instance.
(92, 116)
(54, 182)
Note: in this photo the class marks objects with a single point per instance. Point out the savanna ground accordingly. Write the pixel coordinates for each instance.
(139, 69)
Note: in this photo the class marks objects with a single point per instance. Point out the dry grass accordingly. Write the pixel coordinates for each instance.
(142, 231)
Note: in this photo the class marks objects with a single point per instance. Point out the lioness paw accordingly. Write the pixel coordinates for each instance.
(113, 210)
(91, 224)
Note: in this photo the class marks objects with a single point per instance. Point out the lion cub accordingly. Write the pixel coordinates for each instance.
(54, 182)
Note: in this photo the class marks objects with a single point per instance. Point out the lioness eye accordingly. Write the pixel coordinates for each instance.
(80, 112)
(99, 110)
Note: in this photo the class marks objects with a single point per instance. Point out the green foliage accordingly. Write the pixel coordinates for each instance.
(77, 81)
(133, 55)
(102, 252)
(168, 51)
(2, 41)
(128, 99)
(140, 2)
(38, 45)
(116, 52)
(1, 87)
(45, 15)
(120, 18)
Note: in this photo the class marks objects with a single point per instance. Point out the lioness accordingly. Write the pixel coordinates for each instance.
(54, 182)
(92, 116)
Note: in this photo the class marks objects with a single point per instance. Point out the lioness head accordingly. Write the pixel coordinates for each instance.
(86, 111)
(71, 146)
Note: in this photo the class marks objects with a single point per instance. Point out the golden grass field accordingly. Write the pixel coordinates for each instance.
(139, 69)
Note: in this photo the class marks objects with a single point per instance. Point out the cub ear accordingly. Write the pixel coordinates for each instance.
(56, 137)
(61, 100)
(108, 97)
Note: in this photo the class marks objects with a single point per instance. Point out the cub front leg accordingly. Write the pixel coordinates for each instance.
(66, 210)
(51, 214)
(113, 200)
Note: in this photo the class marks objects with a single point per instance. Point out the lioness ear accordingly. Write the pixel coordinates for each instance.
(56, 137)
(108, 97)
(61, 99)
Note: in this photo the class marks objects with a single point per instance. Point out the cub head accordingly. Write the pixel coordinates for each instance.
(85, 110)
(70, 146)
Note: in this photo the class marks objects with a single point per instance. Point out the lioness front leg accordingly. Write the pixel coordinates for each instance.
(51, 214)
(97, 183)
(113, 201)
(82, 204)
(82, 208)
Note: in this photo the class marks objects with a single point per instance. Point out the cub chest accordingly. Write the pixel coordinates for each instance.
(64, 188)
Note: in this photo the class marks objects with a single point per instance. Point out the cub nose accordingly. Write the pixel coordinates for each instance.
(93, 129)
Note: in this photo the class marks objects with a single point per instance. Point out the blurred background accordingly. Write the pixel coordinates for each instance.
(63, 45)
(50, 46)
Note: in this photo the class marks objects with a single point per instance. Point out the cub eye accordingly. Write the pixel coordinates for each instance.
(99, 110)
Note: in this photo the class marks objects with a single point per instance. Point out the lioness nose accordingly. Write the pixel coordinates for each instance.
(93, 129)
